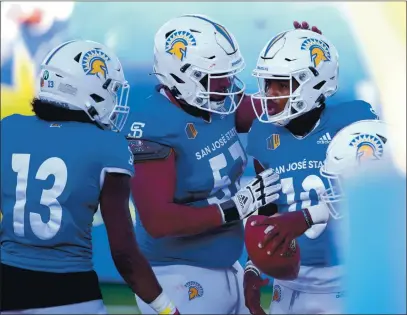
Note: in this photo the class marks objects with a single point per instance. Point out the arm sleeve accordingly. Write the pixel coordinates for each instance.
(116, 157)
(361, 111)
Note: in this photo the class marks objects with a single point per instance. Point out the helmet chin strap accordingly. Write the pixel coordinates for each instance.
(216, 105)
(282, 123)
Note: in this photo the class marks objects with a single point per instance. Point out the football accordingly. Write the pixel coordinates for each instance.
(284, 267)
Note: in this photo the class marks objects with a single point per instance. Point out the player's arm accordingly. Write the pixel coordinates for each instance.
(153, 190)
(129, 261)
(267, 210)
(252, 280)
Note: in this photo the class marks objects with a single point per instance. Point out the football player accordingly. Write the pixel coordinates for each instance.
(363, 180)
(297, 71)
(352, 150)
(189, 203)
(56, 166)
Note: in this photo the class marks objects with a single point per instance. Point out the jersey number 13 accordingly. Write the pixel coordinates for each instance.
(52, 166)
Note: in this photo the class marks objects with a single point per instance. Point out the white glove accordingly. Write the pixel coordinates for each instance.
(258, 192)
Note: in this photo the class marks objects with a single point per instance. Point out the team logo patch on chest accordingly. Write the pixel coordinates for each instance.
(273, 142)
(191, 131)
(195, 290)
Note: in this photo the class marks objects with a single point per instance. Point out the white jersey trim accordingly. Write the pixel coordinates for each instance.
(112, 170)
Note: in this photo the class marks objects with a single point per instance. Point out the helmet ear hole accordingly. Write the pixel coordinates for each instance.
(319, 85)
(77, 57)
(169, 33)
(176, 78)
(97, 98)
(204, 82)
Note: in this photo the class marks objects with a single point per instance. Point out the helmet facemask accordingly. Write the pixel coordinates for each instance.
(297, 103)
(218, 92)
(119, 92)
(333, 196)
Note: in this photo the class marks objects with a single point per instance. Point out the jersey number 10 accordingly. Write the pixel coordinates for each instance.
(310, 183)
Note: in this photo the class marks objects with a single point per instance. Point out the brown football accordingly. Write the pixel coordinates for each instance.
(284, 267)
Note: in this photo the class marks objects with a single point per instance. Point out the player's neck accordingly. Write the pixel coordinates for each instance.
(195, 111)
(51, 113)
(304, 124)
(191, 110)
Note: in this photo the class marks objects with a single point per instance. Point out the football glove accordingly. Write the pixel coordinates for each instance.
(261, 190)
(252, 283)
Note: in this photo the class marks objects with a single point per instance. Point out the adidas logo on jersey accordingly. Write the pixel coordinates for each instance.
(325, 139)
(242, 200)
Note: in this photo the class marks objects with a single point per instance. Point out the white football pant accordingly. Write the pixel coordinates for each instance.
(288, 301)
(196, 290)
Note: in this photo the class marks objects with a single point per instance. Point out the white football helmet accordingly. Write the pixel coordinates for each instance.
(189, 52)
(86, 75)
(354, 147)
(305, 56)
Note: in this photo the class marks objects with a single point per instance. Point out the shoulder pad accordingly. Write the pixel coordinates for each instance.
(145, 150)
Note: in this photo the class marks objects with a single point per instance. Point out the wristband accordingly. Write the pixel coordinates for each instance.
(319, 213)
(251, 267)
(230, 212)
(307, 217)
(163, 305)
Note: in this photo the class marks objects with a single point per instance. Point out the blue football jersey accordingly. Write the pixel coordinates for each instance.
(51, 178)
(210, 160)
(297, 161)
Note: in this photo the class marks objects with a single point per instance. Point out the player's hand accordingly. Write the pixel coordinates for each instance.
(261, 190)
(305, 26)
(285, 228)
(252, 283)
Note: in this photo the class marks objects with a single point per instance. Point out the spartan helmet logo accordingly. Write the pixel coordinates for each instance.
(177, 44)
(94, 63)
(368, 147)
(318, 49)
(195, 290)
